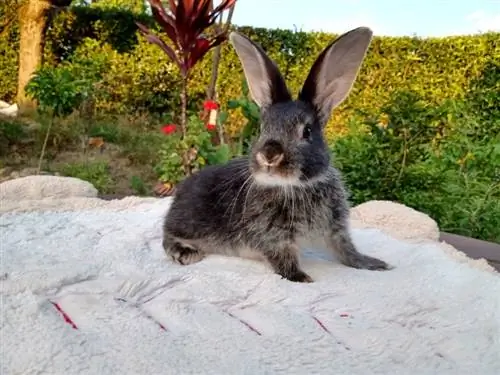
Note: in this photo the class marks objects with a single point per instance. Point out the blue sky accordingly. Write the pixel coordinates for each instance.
(385, 17)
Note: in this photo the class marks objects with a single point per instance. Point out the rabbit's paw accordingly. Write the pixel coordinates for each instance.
(300, 277)
(185, 255)
(366, 262)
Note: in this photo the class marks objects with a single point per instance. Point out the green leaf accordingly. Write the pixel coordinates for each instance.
(222, 118)
(233, 104)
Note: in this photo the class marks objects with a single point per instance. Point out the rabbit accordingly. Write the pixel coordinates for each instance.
(285, 191)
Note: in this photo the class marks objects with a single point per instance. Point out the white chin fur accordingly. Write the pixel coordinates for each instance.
(266, 179)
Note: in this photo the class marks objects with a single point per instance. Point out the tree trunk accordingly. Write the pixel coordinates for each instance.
(184, 106)
(32, 22)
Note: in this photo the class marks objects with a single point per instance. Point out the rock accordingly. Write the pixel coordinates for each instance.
(397, 219)
(10, 111)
(40, 187)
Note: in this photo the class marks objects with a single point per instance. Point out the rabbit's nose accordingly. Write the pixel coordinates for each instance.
(271, 154)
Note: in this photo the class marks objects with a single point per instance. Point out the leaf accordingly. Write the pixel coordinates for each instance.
(181, 26)
(222, 118)
(233, 104)
(159, 42)
(225, 4)
(167, 23)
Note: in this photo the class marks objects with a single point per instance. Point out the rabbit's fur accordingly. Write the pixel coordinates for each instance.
(285, 191)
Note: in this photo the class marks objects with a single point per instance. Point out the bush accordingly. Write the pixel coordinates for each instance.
(65, 88)
(97, 173)
(198, 146)
(11, 132)
(424, 157)
(139, 80)
(139, 75)
(9, 50)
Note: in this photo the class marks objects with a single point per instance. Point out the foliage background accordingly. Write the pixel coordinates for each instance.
(421, 126)
(138, 76)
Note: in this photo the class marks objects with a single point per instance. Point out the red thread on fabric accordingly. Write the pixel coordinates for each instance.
(245, 323)
(66, 317)
(320, 323)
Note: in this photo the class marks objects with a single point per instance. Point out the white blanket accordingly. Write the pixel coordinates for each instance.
(90, 291)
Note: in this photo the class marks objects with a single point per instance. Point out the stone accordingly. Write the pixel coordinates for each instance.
(398, 220)
(41, 187)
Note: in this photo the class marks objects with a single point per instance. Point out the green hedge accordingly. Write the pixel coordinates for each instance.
(139, 76)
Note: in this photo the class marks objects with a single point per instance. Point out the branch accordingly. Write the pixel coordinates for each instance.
(217, 55)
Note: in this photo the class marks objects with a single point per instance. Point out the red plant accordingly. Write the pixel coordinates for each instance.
(185, 23)
(169, 129)
(211, 127)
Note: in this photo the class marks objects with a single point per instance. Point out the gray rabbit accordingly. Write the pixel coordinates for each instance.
(285, 192)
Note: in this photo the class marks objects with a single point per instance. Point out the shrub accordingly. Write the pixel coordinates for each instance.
(197, 146)
(139, 80)
(65, 88)
(97, 173)
(250, 111)
(424, 157)
(140, 75)
(137, 184)
(11, 132)
(141, 148)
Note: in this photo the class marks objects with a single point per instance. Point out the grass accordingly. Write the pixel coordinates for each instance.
(123, 165)
(97, 173)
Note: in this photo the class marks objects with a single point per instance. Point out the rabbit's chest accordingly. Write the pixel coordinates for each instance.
(298, 216)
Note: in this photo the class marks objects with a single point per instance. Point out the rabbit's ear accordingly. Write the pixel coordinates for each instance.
(334, 72)
(265, 82)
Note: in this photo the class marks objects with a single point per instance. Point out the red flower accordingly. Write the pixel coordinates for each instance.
(169, 129)
(210, 105)
(211, 127)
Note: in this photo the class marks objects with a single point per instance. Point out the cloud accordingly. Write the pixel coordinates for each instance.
(482, 21)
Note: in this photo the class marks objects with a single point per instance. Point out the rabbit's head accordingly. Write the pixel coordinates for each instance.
(291, 149)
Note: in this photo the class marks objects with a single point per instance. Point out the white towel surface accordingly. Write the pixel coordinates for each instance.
(86, 289)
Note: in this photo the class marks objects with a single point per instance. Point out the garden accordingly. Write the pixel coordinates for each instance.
(134, 114)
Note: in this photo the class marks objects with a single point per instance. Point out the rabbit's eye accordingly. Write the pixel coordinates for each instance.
(306, 133)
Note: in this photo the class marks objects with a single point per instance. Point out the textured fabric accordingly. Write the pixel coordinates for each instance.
(90, 291)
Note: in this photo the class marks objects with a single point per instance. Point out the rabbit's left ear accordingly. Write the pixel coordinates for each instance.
(265, 82)
(334, 72)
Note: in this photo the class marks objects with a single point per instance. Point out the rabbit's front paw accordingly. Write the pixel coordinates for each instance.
(366, 262)
(300, 277)
(185, 255)
(342, 244)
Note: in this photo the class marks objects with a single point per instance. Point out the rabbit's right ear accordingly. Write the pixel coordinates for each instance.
(334, 72)
(265, 82)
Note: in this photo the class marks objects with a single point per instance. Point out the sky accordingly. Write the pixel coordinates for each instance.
(423, 18)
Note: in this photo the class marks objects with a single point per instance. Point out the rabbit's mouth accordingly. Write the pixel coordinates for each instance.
(275, 179)
(271, 166)
(281, 175)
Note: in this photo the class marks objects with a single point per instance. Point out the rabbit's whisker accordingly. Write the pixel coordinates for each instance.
(292, 216)
(232, 206)
(246, 196)
(240, 169)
